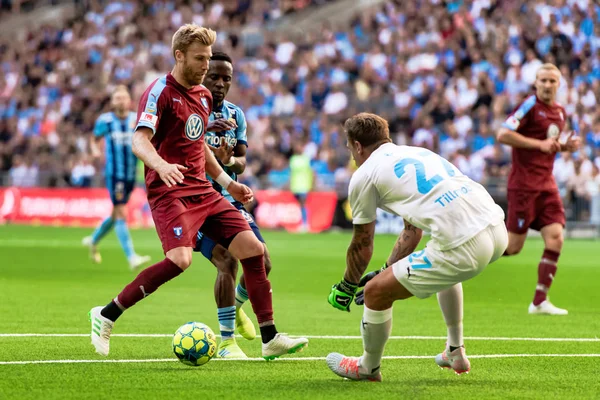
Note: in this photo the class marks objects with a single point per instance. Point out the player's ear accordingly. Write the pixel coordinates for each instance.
(358, 147)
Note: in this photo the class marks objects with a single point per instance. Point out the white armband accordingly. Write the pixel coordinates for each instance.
(224, 180)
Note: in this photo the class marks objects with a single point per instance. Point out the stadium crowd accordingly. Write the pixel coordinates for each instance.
(444, 74)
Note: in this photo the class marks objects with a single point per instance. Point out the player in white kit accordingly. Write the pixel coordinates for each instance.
(467, 233)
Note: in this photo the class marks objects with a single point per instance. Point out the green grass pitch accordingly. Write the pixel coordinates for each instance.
(48, 285)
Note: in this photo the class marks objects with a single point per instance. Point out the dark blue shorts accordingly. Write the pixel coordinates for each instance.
(119, 189)
(206, 245)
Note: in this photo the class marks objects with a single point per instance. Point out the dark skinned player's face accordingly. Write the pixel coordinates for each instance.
(218, 79)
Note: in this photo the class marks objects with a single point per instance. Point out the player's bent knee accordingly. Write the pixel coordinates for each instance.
(119, 212)
(555, 242)
(182, 259)
(376, 297)
(514, 247)
(245, 245)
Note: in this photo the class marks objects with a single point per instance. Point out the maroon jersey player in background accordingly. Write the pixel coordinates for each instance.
(533, 131)
(169, 139)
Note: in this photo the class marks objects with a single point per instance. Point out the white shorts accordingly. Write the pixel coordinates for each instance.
(430, 271)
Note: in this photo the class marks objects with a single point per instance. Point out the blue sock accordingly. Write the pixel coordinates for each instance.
(124, 238)
(241, 296)
(226, 321)
(304, 216)
(102, 229)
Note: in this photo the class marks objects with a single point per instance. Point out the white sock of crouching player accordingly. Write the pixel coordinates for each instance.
(375, 328)
(451, 303)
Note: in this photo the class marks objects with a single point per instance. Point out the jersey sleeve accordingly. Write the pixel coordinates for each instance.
(240, 131)
(363, 199)
(520, 117)
(100, 127)
(152, 105)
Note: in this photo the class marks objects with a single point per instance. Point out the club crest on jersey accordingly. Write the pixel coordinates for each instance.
(553, 131)
(178, 231)
(204, 102)
(194, 127)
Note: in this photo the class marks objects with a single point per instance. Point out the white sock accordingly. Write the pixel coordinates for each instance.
(451, 303)
(375, 328)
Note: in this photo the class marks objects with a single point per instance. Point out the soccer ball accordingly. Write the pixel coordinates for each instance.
(194, 344)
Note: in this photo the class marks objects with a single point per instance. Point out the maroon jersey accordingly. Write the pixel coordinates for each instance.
(532, 169)
(178, 118)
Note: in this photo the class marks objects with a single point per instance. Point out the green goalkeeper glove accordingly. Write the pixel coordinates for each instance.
(360, 296)
(342, 294)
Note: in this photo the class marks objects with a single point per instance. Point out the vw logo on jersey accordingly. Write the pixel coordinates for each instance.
(194, 127)
(553, 131)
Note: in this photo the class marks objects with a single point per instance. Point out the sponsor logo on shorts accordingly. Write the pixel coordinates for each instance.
(520, 222)
(178, 231)
(194, 127)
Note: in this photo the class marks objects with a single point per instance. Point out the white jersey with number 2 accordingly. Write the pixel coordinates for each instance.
(426, 190)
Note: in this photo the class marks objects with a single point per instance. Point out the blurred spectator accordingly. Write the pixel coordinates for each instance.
(593, 192)
(445, 75)
(82, 172)
(578, 190)
(23, 173)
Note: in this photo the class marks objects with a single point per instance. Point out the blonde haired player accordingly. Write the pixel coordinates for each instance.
(533, 131)
(173, 118)
(467, 233)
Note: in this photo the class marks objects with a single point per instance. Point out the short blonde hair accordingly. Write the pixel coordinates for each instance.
(367, 129)
(190, 33)
(548, 67)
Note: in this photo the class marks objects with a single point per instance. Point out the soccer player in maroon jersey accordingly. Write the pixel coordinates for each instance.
(533, 131)
(173, 117)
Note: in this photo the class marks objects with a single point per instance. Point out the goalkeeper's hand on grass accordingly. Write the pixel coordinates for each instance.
(360, 296)
(341, 295)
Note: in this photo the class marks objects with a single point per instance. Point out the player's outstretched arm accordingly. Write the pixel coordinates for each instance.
(358, 257)
(515, 139)
(145, 151)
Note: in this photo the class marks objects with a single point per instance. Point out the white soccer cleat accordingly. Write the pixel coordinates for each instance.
(282, 344)
(456, 360)
(94, 253)
(101, 330)
(547, 308)
(137, 261)
(350, 368)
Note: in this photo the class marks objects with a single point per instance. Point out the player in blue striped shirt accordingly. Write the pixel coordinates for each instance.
(116, 128)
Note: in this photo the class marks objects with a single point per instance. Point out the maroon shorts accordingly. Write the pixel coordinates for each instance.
(178, 220)
(535, 210)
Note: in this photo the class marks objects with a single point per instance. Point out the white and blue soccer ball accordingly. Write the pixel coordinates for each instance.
(194, 344)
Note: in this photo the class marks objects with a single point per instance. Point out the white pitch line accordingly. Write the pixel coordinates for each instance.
(155, 360)
(338, 337)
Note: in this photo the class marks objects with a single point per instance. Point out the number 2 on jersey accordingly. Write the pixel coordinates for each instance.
(424, 185)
